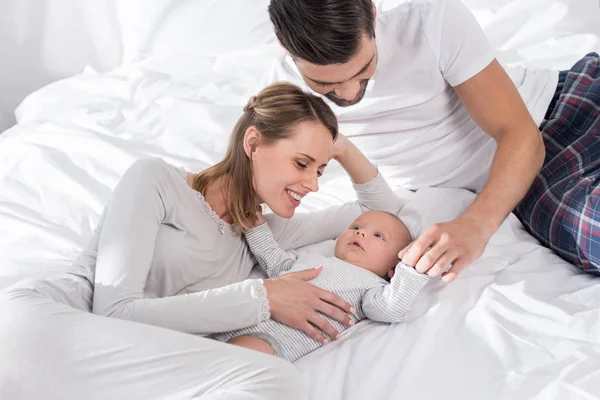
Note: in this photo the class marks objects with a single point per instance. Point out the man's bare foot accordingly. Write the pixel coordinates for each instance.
(253, 343)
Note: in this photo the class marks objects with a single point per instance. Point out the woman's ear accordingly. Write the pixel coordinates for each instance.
(251, 140)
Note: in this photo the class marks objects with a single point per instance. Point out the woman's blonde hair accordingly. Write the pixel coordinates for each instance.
(274, 112)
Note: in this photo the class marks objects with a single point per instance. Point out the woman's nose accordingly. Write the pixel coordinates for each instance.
(312, 184)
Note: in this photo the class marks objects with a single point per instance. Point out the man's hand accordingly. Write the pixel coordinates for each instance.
(454, 244)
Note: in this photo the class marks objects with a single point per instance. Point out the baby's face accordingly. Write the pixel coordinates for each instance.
(373, 242)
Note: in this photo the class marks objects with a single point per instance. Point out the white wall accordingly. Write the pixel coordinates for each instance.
(45, 40)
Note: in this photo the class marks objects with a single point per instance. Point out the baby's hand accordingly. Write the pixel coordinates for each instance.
(260, 219)
(392, 271)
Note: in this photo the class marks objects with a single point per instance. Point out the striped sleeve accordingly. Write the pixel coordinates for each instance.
(272, 259)
(391, 302)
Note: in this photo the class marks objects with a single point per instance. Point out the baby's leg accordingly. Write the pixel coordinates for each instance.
(253, 343)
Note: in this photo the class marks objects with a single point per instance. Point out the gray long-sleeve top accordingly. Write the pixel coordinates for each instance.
(160, 255)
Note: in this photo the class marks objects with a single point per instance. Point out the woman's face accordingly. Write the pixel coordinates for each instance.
(288, 169)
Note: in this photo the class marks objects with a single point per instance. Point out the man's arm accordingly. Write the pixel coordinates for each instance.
(496, 106)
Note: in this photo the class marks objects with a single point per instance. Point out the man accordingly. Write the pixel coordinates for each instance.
(417, 87)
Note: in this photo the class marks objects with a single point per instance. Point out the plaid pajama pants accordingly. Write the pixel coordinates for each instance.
(562, 207)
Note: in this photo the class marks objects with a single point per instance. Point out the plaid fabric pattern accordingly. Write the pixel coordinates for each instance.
(562, 207)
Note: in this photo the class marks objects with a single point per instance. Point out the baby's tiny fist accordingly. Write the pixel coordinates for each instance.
(260, 218)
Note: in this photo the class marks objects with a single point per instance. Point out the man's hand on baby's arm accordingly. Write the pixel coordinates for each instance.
(400, 264)
(447, 248)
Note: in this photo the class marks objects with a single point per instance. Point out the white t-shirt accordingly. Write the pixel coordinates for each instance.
(410, 121)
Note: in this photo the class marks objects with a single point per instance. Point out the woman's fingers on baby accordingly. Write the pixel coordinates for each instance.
(313, 332)
(324, 325)
(334, 312)
(337, 301)
(307, 274)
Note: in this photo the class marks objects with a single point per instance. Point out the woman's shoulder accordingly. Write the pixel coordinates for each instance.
(154, 169)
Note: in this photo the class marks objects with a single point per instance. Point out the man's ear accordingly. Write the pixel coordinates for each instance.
(252, 138)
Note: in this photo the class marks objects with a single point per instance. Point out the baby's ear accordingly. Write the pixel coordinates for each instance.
(391, 272)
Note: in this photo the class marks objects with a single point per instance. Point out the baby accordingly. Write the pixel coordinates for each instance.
(362, 272)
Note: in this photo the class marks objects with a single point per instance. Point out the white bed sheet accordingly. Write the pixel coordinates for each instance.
(520, 324)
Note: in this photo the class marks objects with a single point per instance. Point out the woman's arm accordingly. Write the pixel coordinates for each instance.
(124, 256)
(358, 167)
(372, 190)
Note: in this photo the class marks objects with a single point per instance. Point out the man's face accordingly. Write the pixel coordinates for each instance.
(343, 84)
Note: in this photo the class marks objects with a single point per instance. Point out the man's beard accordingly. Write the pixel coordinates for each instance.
(346, 103)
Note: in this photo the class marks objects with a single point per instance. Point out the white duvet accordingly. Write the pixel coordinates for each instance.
(520, 323)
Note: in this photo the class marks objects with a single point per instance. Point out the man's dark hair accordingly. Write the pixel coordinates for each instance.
(322, 32)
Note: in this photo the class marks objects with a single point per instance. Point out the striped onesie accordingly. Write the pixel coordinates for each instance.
(371, 296)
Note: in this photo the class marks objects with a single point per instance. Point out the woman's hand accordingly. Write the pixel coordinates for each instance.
(353, 161)
(340, 146)
(295, 302)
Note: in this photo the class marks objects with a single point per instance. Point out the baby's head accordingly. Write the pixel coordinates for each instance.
(373, 242)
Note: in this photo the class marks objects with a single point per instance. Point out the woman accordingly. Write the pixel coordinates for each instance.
(169, 252)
